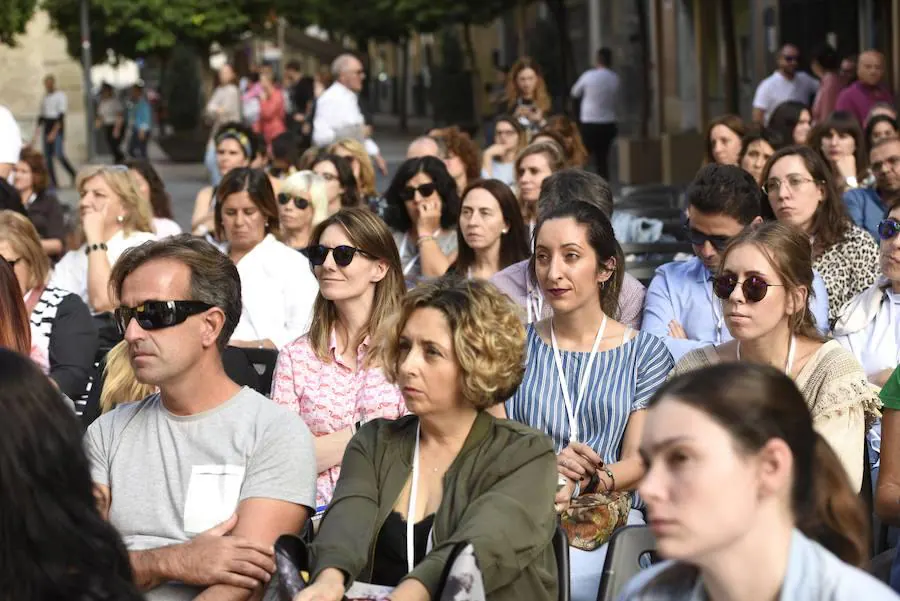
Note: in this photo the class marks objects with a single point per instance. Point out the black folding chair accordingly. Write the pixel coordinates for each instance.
(623, 559)
(561, 550)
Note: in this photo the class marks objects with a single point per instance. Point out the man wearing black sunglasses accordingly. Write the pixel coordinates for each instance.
(203, 458)
(680, 306)
(788, 82)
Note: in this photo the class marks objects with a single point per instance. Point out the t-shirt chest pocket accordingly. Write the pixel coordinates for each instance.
(212, 496)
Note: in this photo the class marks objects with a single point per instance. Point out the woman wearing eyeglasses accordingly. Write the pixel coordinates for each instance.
(499, 159)
(302, 204)
(236, 146)
(277, 288)
(328, 376)
(423, 208)
(801, 192)
(869, 325)
(340, 184)
(764, 281)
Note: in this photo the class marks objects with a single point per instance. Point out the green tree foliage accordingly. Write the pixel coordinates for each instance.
(132, 28)
(14, 16)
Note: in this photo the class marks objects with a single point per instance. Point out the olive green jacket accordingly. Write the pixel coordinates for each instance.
(498, 496)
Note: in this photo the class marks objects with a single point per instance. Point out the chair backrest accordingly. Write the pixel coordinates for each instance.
(263, 361)
(561, 550)
(623, 559)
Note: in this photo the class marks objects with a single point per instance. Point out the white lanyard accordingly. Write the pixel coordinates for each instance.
(408, 267)
(411, 511)
(534, 304)
(572, 410)
(789, 366)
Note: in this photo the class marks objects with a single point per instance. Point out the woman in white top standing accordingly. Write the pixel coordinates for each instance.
(114, 217)
(277, 286)
(224, 106)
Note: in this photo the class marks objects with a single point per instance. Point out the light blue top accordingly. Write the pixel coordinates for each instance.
(813, 574)
(622, 381)
(140, 115)
(505, 172)
(865, 208)
(682, 291)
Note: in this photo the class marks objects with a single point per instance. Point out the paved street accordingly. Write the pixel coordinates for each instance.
(183, 180)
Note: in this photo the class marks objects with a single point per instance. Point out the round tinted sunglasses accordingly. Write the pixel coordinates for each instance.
(156, 315)
(888, 228)
(343, 254)
(754, 288)
(409, 192)
(300, 203)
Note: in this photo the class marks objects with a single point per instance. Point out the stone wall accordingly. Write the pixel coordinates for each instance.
(40, 52)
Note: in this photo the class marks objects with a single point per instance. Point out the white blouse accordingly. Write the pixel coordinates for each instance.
(165, 227)
(278, 290)
(876, 345)
(71, 273)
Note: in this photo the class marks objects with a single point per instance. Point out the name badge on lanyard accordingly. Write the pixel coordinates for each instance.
(572, 409)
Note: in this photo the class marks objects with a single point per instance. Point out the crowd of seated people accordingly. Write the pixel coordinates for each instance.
(466, 358)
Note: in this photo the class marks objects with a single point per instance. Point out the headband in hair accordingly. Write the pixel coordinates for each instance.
(238, 136)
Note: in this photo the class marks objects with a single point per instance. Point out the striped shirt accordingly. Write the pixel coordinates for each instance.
(623, 380)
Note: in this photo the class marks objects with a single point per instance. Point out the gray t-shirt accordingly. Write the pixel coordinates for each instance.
(409, 254)
(172, 477)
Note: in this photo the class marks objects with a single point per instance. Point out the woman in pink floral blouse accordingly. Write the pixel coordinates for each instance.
(328, 375)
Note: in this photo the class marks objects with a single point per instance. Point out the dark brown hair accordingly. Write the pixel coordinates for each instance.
(602, 239)
(514, 245)
(759, 403)
(258, 187)
(15, 331)
(830, 222)
(732, 122)
(845, 124)
(159, 197)
(790, 253)
(39, 175)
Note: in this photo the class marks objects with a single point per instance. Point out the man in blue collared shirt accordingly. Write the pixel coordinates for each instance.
(680, 307)
(867, 206)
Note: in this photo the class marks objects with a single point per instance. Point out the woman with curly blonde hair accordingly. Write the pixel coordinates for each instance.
(450, 472)
(527, 98)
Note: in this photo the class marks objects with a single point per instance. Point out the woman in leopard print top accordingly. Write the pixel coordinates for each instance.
(801, 192)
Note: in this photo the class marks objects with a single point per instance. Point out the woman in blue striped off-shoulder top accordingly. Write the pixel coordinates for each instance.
(588, 377)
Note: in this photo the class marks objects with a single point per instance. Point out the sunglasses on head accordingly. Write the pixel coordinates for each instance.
(156, 315)
(698, 238)
(343, 254)
(754, 287)
(888, 228)
(300, 203)
(409, 192)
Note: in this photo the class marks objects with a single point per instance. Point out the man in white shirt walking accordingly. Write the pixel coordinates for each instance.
(786, 83)
(598, 89)
(337, 112)
(51, 119)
